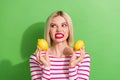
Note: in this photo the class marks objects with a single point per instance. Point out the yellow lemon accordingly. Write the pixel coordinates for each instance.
(42, 43)
(78, 45)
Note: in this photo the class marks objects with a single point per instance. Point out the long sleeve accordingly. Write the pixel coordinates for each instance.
(73, 73)
(84, 68)
(38, 71)
(81, 71)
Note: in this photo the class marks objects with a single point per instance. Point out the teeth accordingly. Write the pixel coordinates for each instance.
(59, 35)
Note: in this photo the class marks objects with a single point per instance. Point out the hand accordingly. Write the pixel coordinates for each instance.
(75, 60)
(44, 59)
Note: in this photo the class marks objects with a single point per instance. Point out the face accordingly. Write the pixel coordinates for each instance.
(58, 29)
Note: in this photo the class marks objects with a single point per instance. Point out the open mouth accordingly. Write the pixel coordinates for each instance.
(59, 35)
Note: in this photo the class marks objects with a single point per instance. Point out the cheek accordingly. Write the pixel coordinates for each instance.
(66, 31)
(52, 33)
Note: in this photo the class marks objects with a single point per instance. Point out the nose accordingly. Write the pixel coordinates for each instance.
(59, 28)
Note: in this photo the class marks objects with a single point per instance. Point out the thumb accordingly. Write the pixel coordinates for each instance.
(47, 55)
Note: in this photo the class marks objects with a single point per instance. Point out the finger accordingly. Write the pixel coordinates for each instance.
(47, 56)
(39, 53)
(73, 56)
(81, 57)
(39, 48)
(83, 48)
(43, 59)
(82, 52)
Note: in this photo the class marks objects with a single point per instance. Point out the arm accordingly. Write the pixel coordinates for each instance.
(84, 68)
(77, 58)
(38, 71)
(73, 73)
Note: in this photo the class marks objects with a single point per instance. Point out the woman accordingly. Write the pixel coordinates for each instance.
(59, 61)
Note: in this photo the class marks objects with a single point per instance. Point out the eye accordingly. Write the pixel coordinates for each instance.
(53, 25)
(64, 25)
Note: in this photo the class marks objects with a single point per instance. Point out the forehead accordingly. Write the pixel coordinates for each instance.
(58, 19)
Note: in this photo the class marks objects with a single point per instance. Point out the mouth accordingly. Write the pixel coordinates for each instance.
(59, 35)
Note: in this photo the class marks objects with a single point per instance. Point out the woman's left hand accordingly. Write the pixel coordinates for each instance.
(74, 59)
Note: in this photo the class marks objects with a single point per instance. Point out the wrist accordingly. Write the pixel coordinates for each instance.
(72, 64)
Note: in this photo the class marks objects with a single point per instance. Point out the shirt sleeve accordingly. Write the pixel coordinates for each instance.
(38, 71)
(84, 68)
(73, 73)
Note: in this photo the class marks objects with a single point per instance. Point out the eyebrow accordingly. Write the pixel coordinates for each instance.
(64, 23)
(61, 23)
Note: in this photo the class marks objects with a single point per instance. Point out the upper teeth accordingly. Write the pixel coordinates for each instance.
(59, 35)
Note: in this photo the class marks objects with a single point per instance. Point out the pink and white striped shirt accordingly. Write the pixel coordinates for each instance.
(60, 69)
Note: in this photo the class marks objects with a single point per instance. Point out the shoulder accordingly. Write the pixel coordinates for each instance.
(87, 55)
(86, 58)
(78, 54)
(85, 62)
(33, 60)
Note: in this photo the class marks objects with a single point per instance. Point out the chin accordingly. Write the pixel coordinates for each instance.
(60, 40)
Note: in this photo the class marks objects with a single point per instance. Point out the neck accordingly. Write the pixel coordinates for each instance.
(58, 48)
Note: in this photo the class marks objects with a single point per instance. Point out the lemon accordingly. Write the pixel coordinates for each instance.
(42, 43)
(78, 45)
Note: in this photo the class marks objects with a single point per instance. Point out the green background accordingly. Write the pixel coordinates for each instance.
(22, 22)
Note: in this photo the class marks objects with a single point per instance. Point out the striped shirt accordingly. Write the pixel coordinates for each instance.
(60, 69)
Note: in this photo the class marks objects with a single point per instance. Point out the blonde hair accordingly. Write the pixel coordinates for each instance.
(69, 22)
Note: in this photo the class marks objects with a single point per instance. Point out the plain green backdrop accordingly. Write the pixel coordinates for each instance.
(97, 22)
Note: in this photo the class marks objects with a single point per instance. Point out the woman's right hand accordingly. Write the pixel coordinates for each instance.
(44, 59)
